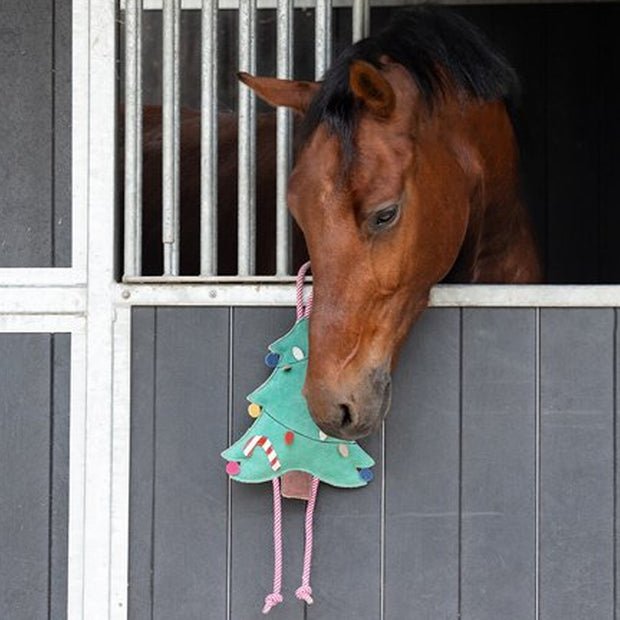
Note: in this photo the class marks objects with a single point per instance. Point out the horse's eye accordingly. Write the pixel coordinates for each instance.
(384, 217)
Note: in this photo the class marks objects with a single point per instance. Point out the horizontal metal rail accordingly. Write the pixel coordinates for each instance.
(156, 5)
(281, 292)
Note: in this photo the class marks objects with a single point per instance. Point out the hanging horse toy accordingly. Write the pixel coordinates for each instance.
(285, 442)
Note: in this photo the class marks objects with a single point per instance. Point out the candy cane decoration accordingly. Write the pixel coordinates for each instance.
(265, 444)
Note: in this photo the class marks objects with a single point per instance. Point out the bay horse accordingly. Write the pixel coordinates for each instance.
(408, 175)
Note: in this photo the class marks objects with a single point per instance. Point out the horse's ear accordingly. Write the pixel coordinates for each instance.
(369, 85)
(289, 93)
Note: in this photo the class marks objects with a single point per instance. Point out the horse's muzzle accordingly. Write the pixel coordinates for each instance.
(350, 412)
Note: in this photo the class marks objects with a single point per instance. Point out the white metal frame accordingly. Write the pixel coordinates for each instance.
(86, 302)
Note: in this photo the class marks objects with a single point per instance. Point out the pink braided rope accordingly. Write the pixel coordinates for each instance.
(304, 592)
(271, 600)
(299, 292)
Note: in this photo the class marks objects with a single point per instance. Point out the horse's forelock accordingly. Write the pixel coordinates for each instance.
(434, 44)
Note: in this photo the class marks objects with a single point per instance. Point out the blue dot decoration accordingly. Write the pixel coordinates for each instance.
(272, 359)
(366, 474)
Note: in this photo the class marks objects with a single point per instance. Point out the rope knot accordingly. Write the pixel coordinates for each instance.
(304, 593)
(271, 600)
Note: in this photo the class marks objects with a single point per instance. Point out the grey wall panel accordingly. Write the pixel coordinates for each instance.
(461, 482)
(252, 512)
(59, 475)
(33, 485)
(347, 559)
(498, 456)
(142, 464)
(188, 427)
(61, 199)
(189, 531)
(34, 167)
(422, 474)
(577, 500)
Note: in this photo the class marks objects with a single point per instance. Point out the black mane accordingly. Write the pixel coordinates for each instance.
(429, 41)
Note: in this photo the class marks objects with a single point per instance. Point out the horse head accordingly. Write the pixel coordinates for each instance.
(382, 189)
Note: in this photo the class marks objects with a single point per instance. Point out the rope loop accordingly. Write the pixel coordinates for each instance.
(301, 276)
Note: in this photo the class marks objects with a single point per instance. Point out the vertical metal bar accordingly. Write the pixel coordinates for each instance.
(361, 19)
(133, 137)
(246, 233)
(208, 146)
(171, 142)
(284, 70)
(322, 37)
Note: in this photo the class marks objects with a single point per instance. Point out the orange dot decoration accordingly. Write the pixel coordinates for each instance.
(288, 437)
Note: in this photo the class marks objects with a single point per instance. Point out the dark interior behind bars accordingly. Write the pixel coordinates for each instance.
(568, 59)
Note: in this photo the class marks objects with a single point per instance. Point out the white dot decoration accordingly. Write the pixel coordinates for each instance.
(298, 354)
(322, 435)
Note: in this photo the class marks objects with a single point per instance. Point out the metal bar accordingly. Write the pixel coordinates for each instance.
(133, 137)
(77, 476)
(171, 143)
(43, 276)
(246, 228)
(54, 300)
(273, 291)
(97, 435)
(119, 512)
(322, 37)
(208, 146)
(284, 141)
(361, 19)
(309, 4)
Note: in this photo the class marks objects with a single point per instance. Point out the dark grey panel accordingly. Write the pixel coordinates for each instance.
(498, 464)
(577, 453)
(422, 474)
(252, 510)
(188, 488)
(347, 558)
(142, 464)
(33, 485)
(34, 165)
(62, 134)
(59, 475)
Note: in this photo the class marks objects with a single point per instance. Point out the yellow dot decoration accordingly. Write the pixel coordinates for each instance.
(254, 410)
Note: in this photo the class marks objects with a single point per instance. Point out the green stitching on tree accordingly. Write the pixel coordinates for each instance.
(284, 437)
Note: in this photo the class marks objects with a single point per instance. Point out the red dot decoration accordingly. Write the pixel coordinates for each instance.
(288, 437)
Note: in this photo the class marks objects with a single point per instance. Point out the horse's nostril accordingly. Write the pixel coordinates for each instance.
(347, 419)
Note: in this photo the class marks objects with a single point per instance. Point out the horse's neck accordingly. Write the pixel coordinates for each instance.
(499, 245)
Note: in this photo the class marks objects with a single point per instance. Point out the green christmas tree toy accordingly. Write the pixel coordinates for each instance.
(284, 439)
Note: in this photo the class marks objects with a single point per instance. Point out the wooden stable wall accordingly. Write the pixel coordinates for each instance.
(499, 474)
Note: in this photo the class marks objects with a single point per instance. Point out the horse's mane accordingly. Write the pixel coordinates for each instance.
(436, 46)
